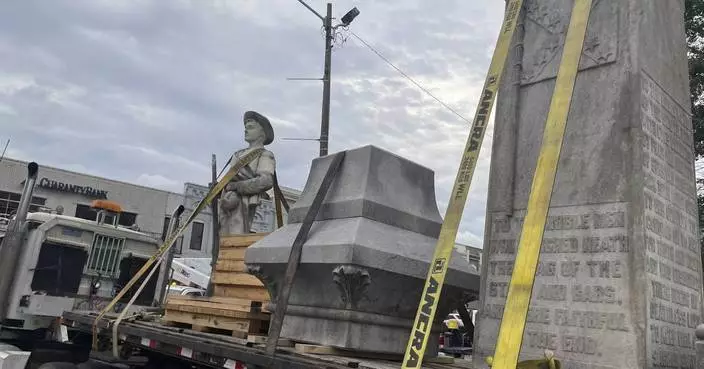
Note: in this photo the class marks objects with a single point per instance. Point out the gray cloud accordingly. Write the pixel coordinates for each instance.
(144, 91)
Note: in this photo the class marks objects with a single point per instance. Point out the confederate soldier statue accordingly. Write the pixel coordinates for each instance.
(240, 198)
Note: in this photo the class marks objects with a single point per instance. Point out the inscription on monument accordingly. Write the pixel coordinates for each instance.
(673, 266)
(581, 285)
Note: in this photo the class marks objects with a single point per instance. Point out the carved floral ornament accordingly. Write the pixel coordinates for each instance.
(352, 282)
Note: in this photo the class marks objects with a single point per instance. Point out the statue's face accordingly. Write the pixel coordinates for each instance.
(253, 131)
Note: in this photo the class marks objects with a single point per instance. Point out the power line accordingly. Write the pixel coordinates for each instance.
(409, 77)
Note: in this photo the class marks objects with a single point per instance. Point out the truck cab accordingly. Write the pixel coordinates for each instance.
(73, 264)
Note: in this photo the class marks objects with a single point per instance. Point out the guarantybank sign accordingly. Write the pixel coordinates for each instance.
(88, 191)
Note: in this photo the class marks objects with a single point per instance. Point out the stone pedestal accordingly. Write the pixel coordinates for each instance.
(619, 281)
(364, 264)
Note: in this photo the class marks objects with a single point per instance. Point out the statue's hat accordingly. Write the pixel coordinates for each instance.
(264, 122)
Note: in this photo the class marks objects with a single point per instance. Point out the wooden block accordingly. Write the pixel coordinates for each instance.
(254, 305)
(204, 329)
(240, 334)
(208, 321)
(315, 349)
(215, 312)
(260, 339)
(237, 305)
(240, 279)
(217, 299)
(242, 292)
(439, 360)
(232, 254)
(256, 339)
(230, 266)
(241, 239)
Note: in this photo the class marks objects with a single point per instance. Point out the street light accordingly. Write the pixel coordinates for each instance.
(327, 23)
(350, 16)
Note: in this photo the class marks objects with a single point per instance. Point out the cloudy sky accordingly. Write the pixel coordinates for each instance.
(145, 91)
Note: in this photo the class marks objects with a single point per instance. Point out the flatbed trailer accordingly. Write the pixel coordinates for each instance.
(220, 351)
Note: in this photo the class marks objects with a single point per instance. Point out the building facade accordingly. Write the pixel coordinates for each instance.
(473, 255)
(146, 209)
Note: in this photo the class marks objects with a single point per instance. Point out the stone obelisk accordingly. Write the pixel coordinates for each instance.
(619, 282)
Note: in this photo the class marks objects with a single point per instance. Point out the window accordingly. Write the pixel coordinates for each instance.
(127, 219)
(105, 254)
(86, 212)
(10, 201)
(58, 269)
(196, 236)
(128, 267)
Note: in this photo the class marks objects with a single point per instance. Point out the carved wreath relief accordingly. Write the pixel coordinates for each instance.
(546, 23)
(352, 282)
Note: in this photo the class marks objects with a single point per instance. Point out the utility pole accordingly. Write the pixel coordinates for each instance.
(329, 31)
(325, 119)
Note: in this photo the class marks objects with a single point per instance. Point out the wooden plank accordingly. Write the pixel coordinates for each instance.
(209, 321)
(245, 308)
(241, 239)
(240, 279)
(439, 360)
(315, 349)
(205, 310)
(230, 266)
(232, 254)
(243, 292)
(217, 299)
(235, 300)
(261, 339)
(236, 334)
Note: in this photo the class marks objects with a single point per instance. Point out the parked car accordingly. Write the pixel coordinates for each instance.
(185, 291)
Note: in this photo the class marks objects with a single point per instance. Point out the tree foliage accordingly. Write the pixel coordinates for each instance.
(694, 27)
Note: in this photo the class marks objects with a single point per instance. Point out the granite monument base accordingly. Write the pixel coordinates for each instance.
(364, 263)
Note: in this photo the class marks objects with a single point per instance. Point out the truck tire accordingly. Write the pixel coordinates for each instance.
(58, 365)
(39, 357)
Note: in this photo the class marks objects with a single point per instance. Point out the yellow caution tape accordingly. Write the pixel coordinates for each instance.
(521, 286)
(214, 191)
(418, 339)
